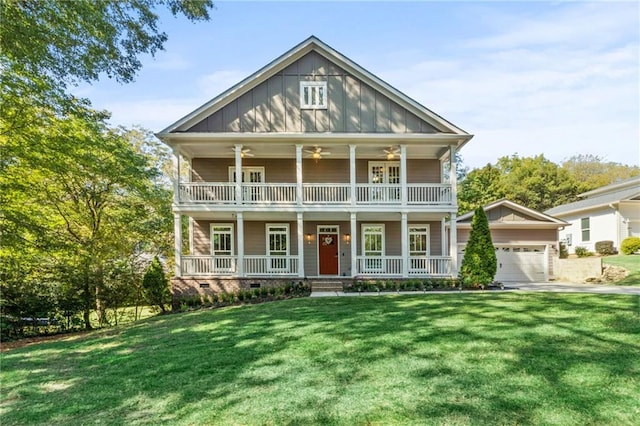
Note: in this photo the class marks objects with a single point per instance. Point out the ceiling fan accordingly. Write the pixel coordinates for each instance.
(391, 153)
(316, 153)
(244, 152)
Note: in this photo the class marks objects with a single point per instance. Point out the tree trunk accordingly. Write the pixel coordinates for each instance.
(100, 309)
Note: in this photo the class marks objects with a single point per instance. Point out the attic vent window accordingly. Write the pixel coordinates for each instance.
(313, 94)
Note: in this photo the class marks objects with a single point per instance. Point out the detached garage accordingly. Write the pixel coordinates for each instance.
(525, 241)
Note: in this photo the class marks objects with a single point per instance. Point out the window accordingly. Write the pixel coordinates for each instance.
(222, 247)
(419, 240)
(278, 247)
(372, 247)
(585, 227)
(384, 173)
(418, 247)
(250, 175)
(313, 94)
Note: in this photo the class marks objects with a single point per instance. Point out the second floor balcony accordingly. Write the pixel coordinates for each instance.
(309, 194)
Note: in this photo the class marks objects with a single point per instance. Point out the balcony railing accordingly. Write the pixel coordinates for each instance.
(224, 193)
(374, 266)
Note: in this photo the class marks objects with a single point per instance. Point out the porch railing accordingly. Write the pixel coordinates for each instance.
(315, 193)
(209, 265)
(380, 266)
(270, 265)
(326, 193)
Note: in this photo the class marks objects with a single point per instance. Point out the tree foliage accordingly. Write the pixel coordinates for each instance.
(534, 182)
(156, 285)
(479, 264)
(591, 171)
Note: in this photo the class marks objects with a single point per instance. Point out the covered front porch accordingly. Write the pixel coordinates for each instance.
(316, 245)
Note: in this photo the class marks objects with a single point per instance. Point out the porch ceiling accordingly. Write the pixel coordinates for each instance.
(283, 145)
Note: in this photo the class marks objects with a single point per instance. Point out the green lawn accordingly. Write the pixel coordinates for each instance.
(483, 358)
(630, 263)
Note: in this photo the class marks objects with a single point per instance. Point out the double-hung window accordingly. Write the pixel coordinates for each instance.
(313, 94)
(373, 248)
(222, 248)
(585, 226)
(278, 247)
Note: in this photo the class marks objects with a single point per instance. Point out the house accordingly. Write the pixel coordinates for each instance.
(609, 213)
(313, 167)
(525, 240)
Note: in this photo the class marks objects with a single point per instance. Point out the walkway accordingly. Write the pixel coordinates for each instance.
(550, 287)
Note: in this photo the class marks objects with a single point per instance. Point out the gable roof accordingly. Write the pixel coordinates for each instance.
(297, 52)
(604, 199)
(535, 219)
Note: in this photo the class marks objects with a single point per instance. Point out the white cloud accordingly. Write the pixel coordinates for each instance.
(569, 96)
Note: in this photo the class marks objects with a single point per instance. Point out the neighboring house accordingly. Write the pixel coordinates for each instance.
(313, 167)
(525, 240)
(609, 213)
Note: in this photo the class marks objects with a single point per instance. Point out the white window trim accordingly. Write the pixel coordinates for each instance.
(268, 228)
(386, 165)
(303, 85)
(428, 251)
(247, 169)
(366, 268)
(231, 231)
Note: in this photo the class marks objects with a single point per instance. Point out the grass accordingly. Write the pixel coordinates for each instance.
(631, 263)
(490, 358)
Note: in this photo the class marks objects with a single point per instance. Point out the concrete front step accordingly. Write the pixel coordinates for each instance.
(326, 286)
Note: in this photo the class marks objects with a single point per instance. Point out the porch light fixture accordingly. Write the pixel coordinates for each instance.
(347, 238)
(308, 238)
(390, 156)
(316, 156)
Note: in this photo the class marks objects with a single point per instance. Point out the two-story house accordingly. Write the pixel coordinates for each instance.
(313, 167)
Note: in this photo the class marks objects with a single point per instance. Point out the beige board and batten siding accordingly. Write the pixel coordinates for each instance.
(274, 105)
(325, 170)
(255, 237)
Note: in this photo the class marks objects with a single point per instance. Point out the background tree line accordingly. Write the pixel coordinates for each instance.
(537, 182)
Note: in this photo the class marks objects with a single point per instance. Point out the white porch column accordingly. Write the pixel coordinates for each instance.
(453, 244)
(176, 176)
(403, 174)
(238, 152)
(453, 175)
(299, 174)
(191, 222)
(404, 241)
(443, 239)
(352, 176)
(300, 245)
(354, 246)
(240, 245)
(177, 232)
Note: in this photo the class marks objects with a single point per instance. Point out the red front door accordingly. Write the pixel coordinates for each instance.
(328, 254)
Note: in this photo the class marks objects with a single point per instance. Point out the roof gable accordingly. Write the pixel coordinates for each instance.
(394, 111)
(509, 214)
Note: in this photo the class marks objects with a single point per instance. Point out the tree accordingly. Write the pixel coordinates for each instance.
(534, 182)
(480, 187)
(591, 171)
(156, 285)
(479, 264)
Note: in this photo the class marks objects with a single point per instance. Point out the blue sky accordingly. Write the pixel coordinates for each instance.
(559, 78)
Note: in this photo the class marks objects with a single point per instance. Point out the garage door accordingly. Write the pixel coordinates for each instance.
(518, 263)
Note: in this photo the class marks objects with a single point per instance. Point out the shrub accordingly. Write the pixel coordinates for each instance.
(156, 285)
(630, 245)
(605, 248)
(582, 252)
(564, 253)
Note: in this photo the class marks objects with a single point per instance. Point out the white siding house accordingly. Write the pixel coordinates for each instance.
(609, 213)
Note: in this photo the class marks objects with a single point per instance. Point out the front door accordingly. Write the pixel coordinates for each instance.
(328, 253)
